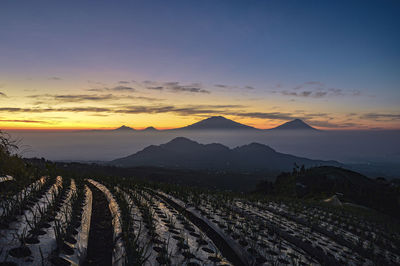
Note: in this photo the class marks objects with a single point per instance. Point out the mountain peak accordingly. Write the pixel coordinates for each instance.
(150, 129)
(254, 146)
(296, 124)
(217, 123)
(217, 117)
(181, 140)
(181, 143)
(124, 128)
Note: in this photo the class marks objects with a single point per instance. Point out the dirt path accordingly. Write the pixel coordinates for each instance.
(101, 232)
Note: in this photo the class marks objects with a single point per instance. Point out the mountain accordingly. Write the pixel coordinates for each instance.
(150, 129)
(124, 129)
(296, 124)
(218, 123)
(183, 153)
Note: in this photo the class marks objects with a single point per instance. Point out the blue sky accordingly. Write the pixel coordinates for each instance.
(269, 45)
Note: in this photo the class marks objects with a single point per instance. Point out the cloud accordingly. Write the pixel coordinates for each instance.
(381, 116)
(180, 110)
(175, 87)
(23, 121)
(328, 124)
(317, 83)
(249, 87)
(81, 98)
(134, 109)
(336, 92)
(189, 89)
(222, 86)
(191, 110)
(319, 93)
(159, 88)
(73, 97)
(2, 94)
(123, 82)
(305, 94)
(116, 89)
(122, 88)
(76, 98)
(55, 78)
(315, 89)
(266, 115)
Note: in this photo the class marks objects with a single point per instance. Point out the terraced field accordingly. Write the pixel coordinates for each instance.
(73, 221)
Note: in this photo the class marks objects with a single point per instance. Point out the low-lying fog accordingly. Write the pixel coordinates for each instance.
(343, 146)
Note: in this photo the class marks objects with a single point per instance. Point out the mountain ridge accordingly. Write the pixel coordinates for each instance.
(218, 123)
(124, 128)
(183, 153)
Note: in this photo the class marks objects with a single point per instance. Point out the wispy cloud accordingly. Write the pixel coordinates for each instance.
(317, 83)
(24, 121)
(76, 98)
(116, 89)
(158, 88)
(55, 78)
(381, 116)
(2, 94)
(223, 86)
(230, 87)
(329, 124)
(122, 88)
(194, 110)
(132, 109)
(314, 89)
(266, 115)
(177, 87)
(123, 82)
(72, 97)
(249, 87)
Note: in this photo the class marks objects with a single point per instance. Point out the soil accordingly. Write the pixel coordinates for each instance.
(20, 252)
(100, 244)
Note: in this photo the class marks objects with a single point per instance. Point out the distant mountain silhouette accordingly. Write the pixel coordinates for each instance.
(183, 153)
(124, 128)
(296, 124)
(218, 123)
(150, 129)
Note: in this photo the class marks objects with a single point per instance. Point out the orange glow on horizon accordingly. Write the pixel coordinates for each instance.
(261, 126)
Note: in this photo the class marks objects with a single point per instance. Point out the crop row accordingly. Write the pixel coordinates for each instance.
(165, 236)
(319, 244)
(47, 228)
(357, 235)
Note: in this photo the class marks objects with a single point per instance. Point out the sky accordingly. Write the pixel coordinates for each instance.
(101, 64)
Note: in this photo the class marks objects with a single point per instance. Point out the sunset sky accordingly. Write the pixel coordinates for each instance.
(101, 64)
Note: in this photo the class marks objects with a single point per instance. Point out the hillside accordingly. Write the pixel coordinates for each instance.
(325, 181)
(183, 153)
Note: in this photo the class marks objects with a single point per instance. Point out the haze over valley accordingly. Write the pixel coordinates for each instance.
(376, 150)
